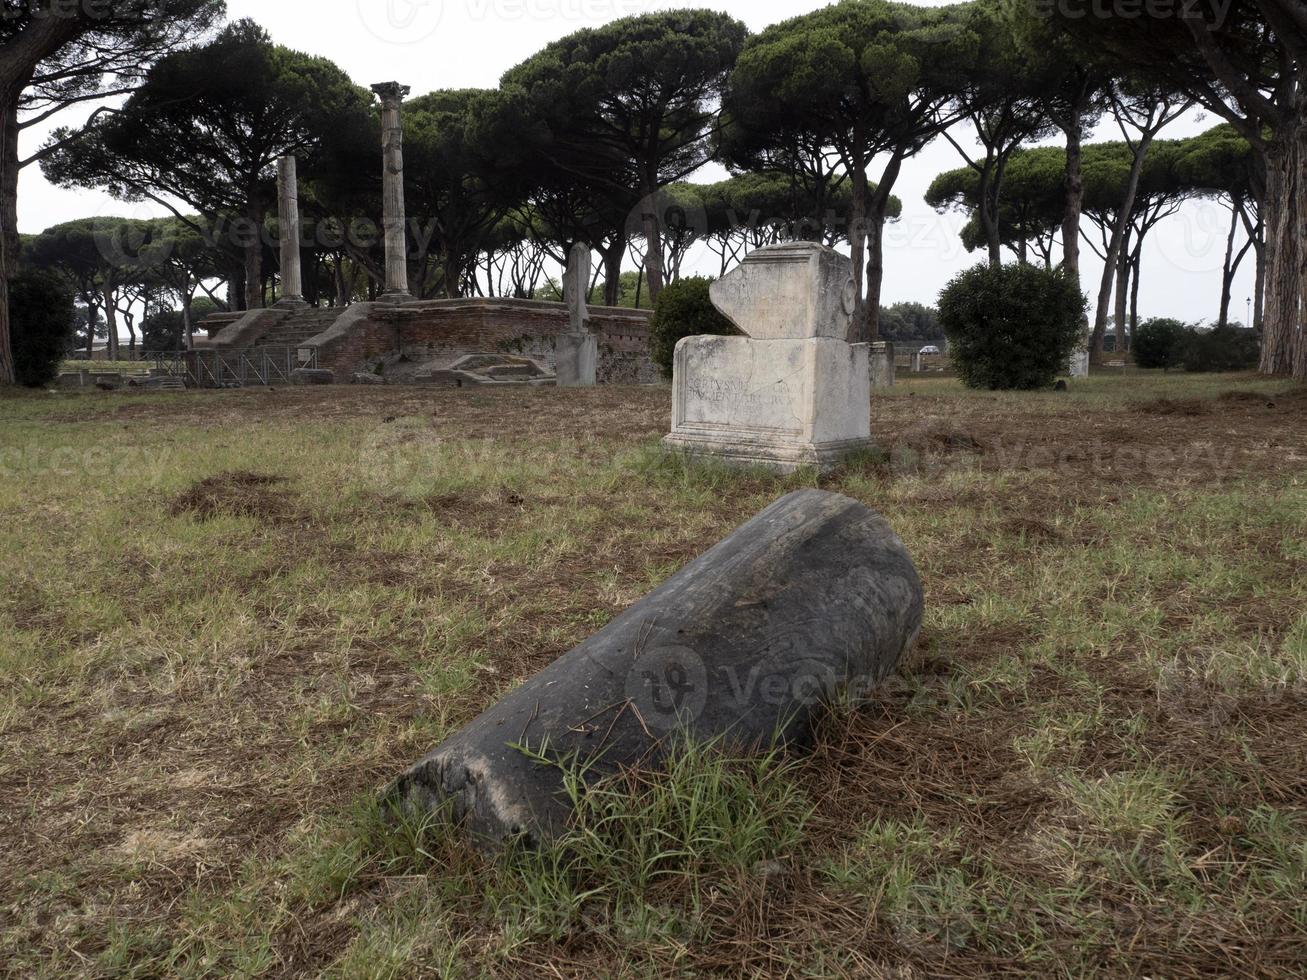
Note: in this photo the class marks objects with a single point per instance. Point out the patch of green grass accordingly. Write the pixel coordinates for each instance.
(695, 824)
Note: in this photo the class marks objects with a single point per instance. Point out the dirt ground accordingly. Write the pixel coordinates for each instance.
(233, 615)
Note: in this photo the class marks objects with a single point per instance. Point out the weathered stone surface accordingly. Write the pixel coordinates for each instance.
(576, 288)
(577, 360)
(882, 365)
(800, 397)
(312, 376)
(789, 292)
(391, 96)
(487, 370)
(814, 596)
(353, 339)
(244, 332)
(778, 403)
(288, 221)
(1079, 365)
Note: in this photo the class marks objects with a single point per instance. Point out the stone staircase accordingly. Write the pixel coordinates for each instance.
(261, 347)
(299, 328)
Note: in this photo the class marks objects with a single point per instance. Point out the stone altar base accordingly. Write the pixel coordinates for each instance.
(783, 404)
(882, 365)
(577, 360)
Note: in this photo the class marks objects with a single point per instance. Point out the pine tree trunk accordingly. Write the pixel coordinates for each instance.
(1122, 293)
(1136, 265)
(1281, 263)
(859, 327)
(875, 274)
(613, 271)
(8, 224)
(988, 214)
(1115, 247)
(1227, 270)
(653, 239)
(1298, 219)
(111, 317)
(343, 292)
(453, 275)
(1259, 284)
(875, 265)
(254, 259)
(876, 216)
(1075, 196)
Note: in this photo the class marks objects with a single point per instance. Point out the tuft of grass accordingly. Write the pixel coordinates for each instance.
(644, 847)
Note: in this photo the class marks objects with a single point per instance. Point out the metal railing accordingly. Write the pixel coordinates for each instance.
(234, 368)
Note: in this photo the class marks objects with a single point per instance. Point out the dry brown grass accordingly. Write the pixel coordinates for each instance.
(234, 614)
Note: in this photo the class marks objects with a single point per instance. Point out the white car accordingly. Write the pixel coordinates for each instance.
(932, 349)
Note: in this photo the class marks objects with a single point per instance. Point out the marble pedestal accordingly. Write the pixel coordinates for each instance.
(882, 364)
(576, 360)
(783, 404)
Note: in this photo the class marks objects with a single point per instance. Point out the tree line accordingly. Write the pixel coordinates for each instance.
(595, 138)
(1217, 165)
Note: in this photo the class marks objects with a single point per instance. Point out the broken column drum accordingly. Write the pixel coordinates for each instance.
(745, 644)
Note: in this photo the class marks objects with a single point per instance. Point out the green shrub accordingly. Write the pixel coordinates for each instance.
(1011, 326)
(1222, 349)
(1160, 343)
(41, 316)
(684, 310)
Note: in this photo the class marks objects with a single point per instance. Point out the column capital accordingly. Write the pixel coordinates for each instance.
(390, 93)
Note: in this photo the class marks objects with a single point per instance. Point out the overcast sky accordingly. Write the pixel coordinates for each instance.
(431, 44)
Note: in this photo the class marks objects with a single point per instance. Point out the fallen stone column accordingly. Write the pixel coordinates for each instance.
(814, 596)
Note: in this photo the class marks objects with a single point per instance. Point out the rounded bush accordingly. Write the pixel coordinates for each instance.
(41, 324)
(684, 310)
(1011, 327)
(1160, 343)
(1222, 349)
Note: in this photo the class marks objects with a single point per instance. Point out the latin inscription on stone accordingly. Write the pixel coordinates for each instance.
(740, 388)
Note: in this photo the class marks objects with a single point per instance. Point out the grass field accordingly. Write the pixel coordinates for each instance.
(227, 618)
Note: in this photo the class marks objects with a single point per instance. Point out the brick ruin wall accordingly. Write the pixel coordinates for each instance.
(422, 331)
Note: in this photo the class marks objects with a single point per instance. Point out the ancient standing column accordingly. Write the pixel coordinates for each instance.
(576, 288)
(576, 353)
(288, 221)
(392, 95)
